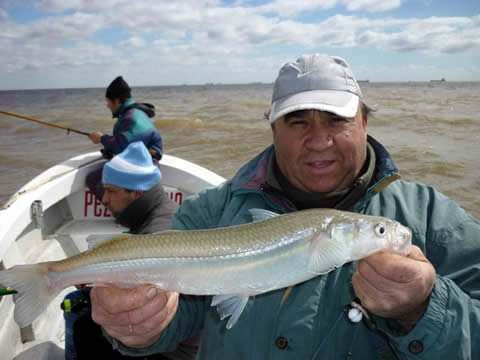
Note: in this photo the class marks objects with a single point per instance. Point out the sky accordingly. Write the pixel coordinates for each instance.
(86, 43)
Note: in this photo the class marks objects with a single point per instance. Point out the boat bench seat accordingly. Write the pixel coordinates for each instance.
(73, 234)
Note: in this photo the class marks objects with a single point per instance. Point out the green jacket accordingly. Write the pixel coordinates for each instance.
(132, 125)
(310, 322)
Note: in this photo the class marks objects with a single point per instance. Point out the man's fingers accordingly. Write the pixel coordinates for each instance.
(391, 266)
(136, 316)
(143, 326)
(395, 286)
(117, 307)
(162, 304)
(361, 287)
(115, 300)
(417, 254)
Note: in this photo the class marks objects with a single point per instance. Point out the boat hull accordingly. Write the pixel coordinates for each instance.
(49, 219)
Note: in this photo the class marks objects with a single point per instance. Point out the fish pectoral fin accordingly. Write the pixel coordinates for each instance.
(327, 254)
(230, 305)
(262, 214)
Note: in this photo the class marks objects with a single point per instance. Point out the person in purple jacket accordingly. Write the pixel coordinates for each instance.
(133, 124)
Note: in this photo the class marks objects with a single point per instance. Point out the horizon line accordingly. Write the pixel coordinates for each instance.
(364, 81)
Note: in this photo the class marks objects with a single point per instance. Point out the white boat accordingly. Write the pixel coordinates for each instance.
(49, 219)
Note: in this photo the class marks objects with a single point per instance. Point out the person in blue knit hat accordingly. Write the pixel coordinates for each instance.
(126, 177)
(132, 169)
(134, 195)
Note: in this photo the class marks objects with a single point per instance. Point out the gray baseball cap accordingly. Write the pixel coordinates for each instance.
(318, 82)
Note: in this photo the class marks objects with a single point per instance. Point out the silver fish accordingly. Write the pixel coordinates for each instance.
(232, 263)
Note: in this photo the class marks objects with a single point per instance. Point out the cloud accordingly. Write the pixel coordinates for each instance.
(434, 35)
(205, 32)
(287, 8)
(3, 14)
(146, 17)
(77, 26)
(238, 28)
(372, 5)
(58, 6)
(134, 42)
(39, 56)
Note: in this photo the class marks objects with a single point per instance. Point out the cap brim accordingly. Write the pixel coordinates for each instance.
(341, 103)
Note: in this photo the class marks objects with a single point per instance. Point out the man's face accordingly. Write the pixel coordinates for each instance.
(117, 199)
(113, 105)
(319, 151)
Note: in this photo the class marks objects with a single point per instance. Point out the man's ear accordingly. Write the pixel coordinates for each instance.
(272, 126)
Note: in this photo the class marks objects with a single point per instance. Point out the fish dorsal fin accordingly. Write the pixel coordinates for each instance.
(96, 239)
(230, 305)
(262, 214)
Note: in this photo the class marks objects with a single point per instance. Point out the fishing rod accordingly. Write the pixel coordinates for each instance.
(44, 122)
(153, 152)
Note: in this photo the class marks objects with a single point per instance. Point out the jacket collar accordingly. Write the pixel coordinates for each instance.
(386, 171)
(122, 108)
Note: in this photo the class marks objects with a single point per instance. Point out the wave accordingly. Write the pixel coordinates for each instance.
(165, 123)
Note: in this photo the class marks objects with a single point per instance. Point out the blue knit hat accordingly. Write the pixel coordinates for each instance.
(132, 169)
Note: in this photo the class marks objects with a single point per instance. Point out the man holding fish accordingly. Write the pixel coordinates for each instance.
(294, 298)
(323, 157)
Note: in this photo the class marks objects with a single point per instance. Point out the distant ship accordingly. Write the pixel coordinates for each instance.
(363, 81)
(437, 81)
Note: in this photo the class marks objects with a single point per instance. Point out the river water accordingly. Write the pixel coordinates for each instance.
(431, 129)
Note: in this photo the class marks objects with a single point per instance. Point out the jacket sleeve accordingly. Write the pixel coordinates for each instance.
(117, 142)
(450, 328)
(200, 211)
(203, 210)
(188, 321)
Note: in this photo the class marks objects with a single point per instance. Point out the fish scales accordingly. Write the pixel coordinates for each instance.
(238, 239)
(230, 263)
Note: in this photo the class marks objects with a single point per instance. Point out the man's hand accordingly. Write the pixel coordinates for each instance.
(395, 287)
(136, 317)
(95, 137)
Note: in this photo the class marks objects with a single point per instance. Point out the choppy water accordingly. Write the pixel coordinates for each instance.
(432, 130)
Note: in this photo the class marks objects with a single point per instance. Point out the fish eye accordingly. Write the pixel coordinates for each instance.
(380, 229)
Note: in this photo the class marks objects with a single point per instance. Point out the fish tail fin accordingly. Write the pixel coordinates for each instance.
(34, 290)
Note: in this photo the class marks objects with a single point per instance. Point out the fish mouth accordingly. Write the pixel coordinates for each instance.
(403, 240)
